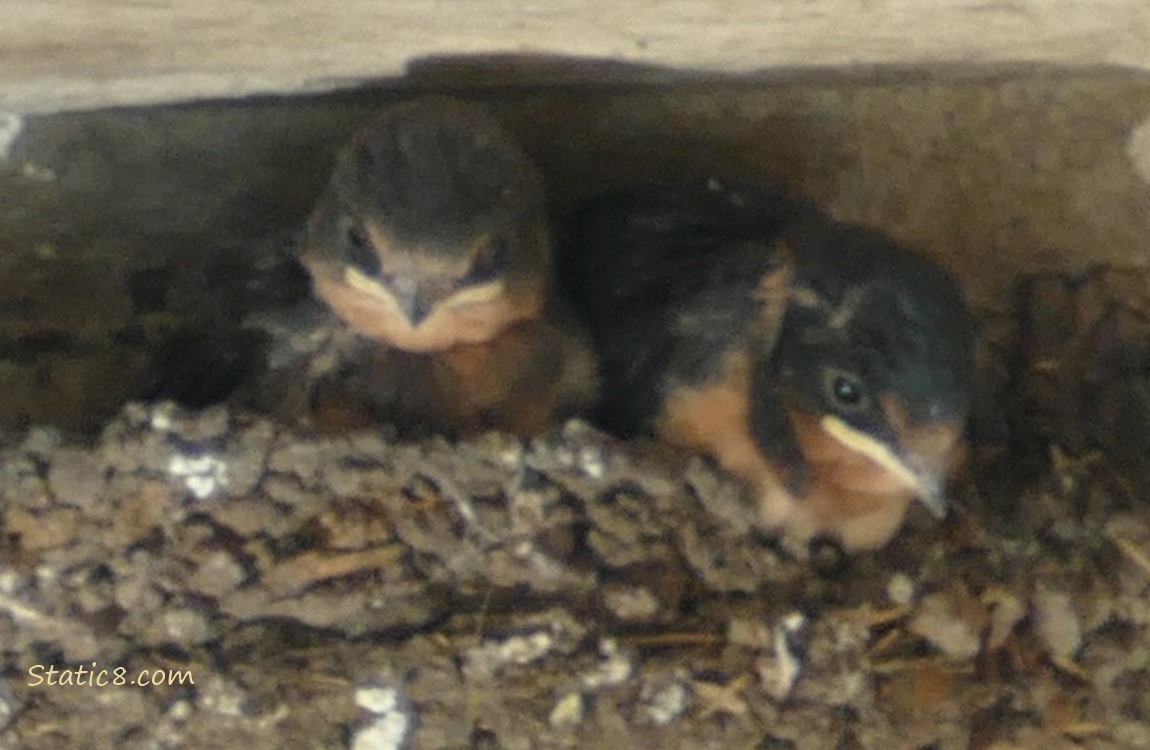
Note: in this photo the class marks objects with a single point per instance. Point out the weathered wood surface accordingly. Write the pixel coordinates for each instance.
(77, 54)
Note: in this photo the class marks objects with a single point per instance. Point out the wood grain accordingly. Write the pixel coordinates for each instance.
(79, 54)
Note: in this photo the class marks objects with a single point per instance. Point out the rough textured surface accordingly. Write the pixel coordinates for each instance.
(356, 591)
(119, 226)
(298, 590)
(80, 54)
(352, 591)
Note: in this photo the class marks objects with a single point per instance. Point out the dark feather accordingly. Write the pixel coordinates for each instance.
(666, 278)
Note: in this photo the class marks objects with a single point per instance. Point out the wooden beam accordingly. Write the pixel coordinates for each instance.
(79, 54)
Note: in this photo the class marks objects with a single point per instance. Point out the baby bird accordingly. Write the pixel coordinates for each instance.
(431, 244)
(825, 366)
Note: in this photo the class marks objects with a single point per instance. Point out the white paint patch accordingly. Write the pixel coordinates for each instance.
(525, 649)
(377, 700)
(780, 671)
(10, 127)
(900, 589)
(385, 733)
(1138, 149)
(592, 461)
(180, 711)
(203, 475)
(631, 602)
(779, 681)
(493, 657)
(10, 581)
(667, 703)
(568, 711)
(390, 724)
(615, 669)
(223, 697)
(161, 420)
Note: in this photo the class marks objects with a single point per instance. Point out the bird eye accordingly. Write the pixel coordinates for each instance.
(846, 391)
(360, 251)
(489, 264)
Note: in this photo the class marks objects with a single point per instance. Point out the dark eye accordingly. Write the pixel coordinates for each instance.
(846, 391)
(360, 252)
(490, 263)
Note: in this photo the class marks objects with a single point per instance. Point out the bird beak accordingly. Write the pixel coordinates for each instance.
(413, 301)
(929, 484)
(922, 470)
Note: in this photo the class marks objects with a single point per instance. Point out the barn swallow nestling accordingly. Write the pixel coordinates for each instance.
(824, 365)
(431, 242)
